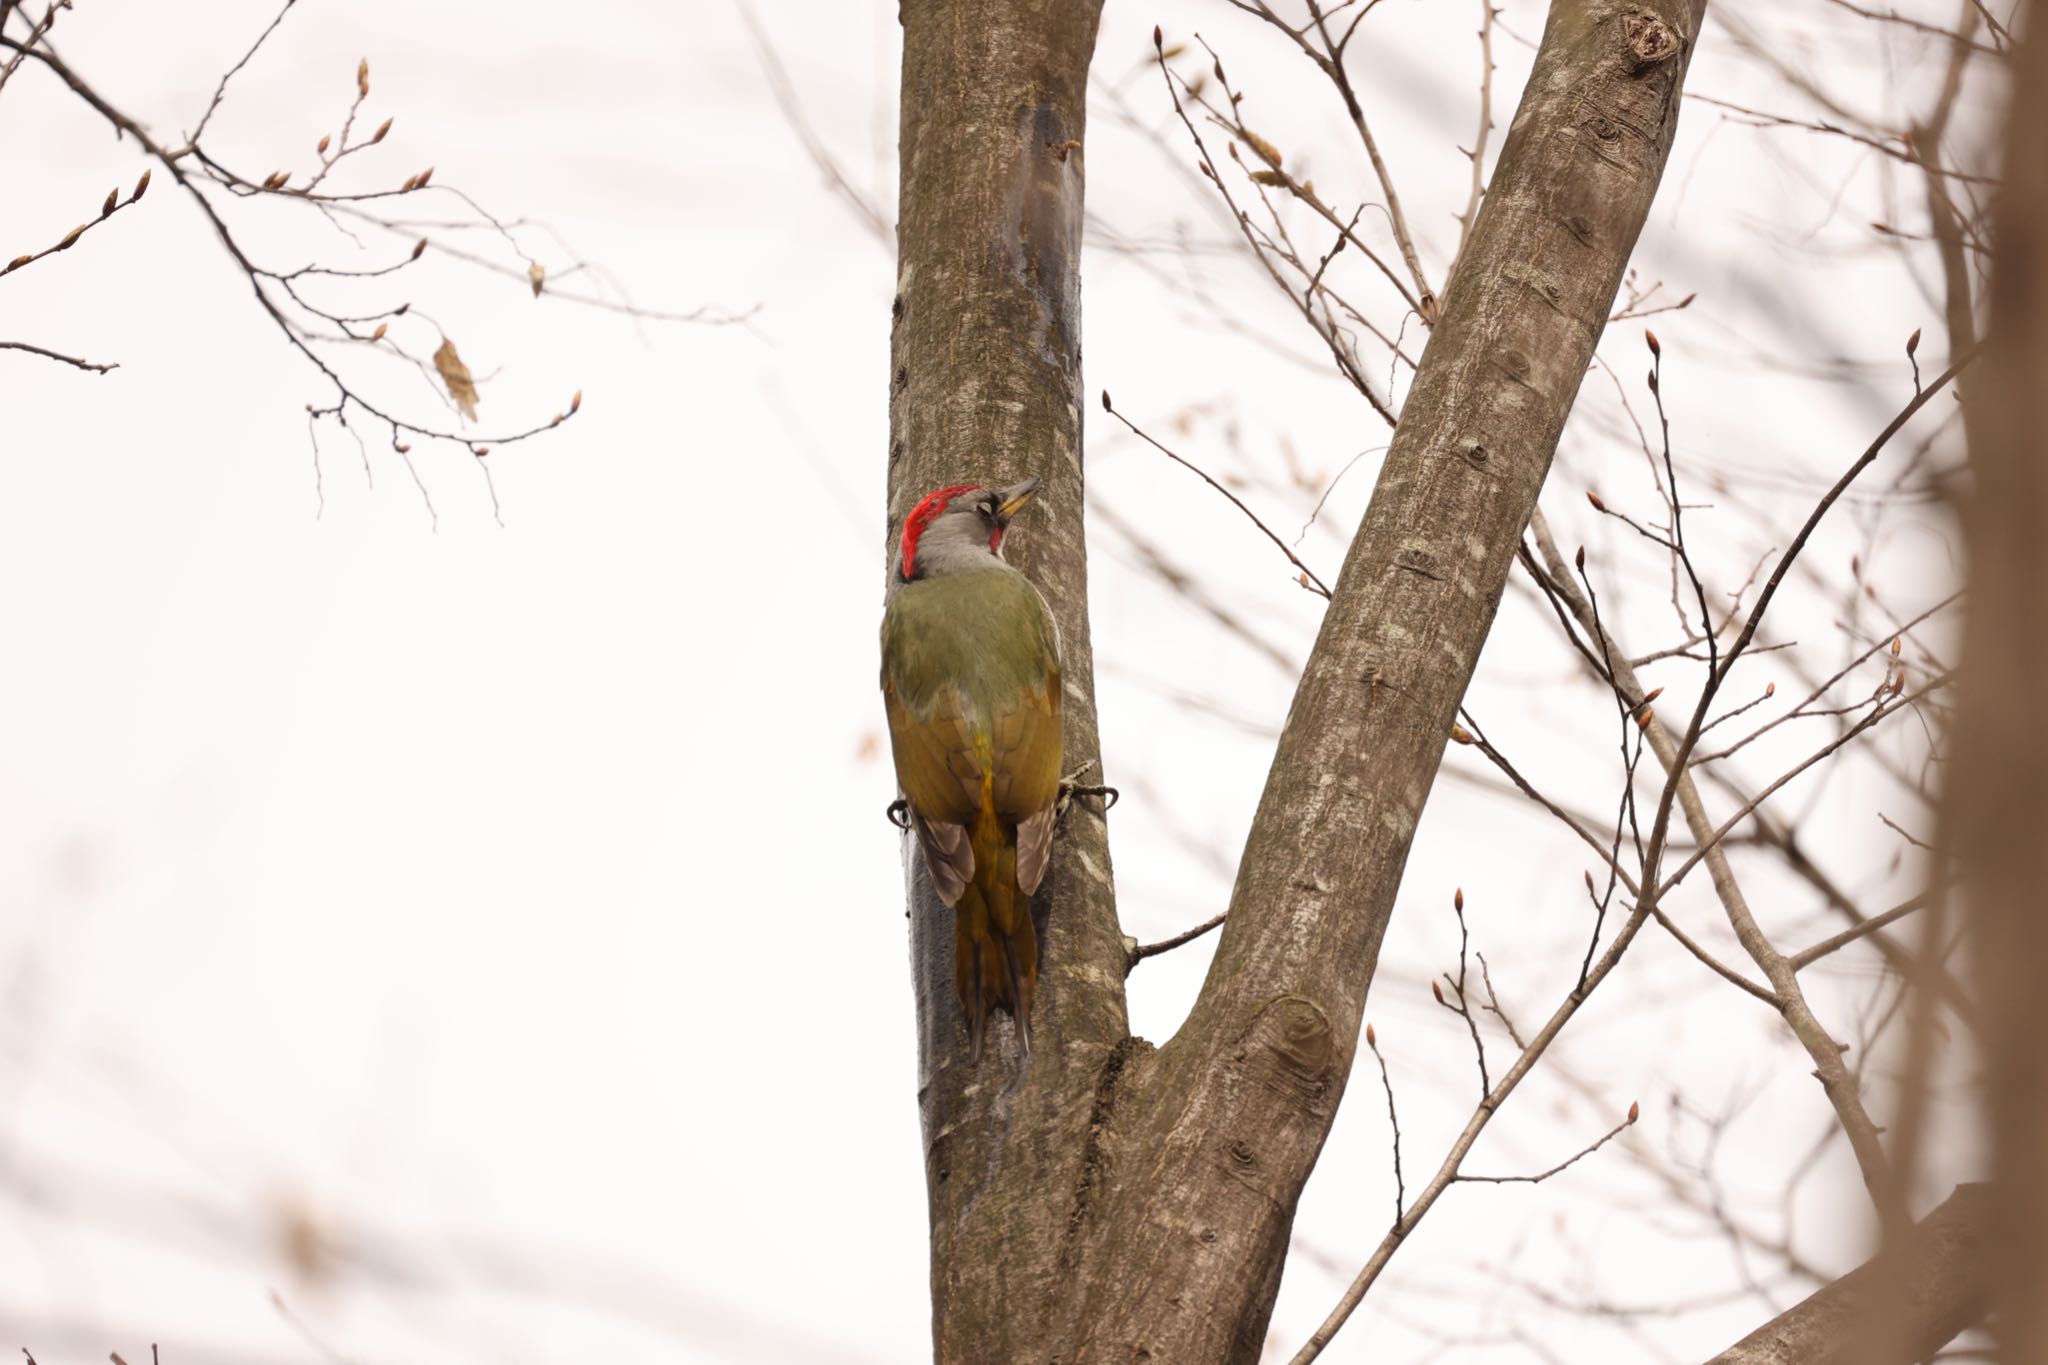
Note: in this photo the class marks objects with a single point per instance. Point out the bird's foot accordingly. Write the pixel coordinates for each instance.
(899, 813)
(1072, 787)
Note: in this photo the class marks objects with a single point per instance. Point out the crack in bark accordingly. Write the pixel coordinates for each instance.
(1092, 1159)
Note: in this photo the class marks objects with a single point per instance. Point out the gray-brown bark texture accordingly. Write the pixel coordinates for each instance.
(1106, 1200)
(985, 387)
(1926, 1290)
(1997, 799)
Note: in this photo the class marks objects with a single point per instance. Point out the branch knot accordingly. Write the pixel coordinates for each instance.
(1650, 41)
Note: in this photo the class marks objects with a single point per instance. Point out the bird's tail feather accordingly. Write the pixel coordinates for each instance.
(995, 945)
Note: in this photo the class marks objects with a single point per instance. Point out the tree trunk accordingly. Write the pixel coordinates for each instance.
(1106, 1200)
(1997, 798)
(986, 388)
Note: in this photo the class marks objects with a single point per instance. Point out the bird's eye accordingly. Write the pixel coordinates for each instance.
(988, 507)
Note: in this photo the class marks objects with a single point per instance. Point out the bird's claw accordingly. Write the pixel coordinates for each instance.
(899, 813)
(1071, 787)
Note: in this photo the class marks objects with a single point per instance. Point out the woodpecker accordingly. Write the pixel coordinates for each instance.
(971, 684)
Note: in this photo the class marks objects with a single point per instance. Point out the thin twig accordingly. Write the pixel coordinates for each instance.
(1308, 578)
(1478, 152)
(1167, 945)
(1806, 957)
(1719, 969)
(1446, 1174)
(1372, 1040)
(1616, 1131)
(58, 355)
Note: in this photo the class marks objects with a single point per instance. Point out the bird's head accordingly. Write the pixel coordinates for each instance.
(959, 528)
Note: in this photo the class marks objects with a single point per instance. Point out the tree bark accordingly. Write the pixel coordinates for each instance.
(986, 388)
(1105, 1200)
(1997, 797)
(1925, 1291)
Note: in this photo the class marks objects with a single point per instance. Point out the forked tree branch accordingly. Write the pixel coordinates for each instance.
(1786, 995)
(1233, 1111)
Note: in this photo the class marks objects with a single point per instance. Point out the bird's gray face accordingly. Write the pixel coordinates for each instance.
(969, 526)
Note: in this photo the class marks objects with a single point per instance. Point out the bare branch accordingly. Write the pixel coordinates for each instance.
(1308, 577)
(1167, 945)
(1595, 1145)
(57, 355)
(1934, 1285)
(1806, 957)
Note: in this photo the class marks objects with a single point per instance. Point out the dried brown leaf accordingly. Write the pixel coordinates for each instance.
(456, 376)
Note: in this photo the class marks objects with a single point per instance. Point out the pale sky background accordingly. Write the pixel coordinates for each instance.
(485, 941)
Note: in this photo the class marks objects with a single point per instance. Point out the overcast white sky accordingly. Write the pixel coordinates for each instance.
(485, 942)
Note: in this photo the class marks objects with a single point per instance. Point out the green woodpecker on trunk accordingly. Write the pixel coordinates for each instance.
(971, 682)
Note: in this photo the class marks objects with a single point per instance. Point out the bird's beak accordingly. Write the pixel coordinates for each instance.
(1011, 500)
